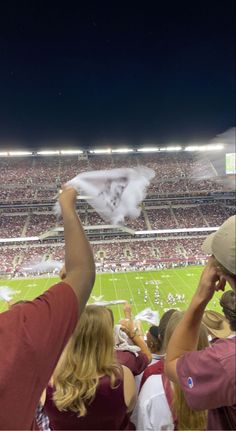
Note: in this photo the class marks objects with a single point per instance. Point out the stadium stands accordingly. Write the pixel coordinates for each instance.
(179, 197)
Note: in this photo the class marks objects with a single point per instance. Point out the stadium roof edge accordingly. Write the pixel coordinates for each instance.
(109, 151)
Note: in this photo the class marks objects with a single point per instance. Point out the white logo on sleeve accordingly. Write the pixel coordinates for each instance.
(190, 382)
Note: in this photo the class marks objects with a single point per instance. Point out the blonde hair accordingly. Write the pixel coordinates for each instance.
(188, 419)
(88, 355)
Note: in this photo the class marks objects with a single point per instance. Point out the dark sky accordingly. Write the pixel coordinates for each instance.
(129, 72)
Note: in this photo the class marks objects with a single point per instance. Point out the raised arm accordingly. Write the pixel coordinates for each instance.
(185, 337)
(79, 261)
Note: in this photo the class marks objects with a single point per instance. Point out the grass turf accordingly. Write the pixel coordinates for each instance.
(127, 286)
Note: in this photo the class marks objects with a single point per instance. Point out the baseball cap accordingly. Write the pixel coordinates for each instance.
(222, 244)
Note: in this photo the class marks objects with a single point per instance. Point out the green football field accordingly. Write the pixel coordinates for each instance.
(128, 286)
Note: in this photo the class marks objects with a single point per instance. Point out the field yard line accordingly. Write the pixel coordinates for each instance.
(152, 303)
(131, 292)
(114, 285)
(182, 279)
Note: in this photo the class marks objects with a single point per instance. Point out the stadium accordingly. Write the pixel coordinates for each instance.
(153, 261)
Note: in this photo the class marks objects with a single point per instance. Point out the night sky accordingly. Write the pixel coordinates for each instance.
(115, 72)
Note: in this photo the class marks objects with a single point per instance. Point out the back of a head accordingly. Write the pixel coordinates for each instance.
(162, 328)
(92, 339)
(228, 304)
(88, 355)
(188, 419)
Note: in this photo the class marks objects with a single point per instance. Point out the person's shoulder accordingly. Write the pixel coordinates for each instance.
(224, 347)
(156, 368)
(152, 387)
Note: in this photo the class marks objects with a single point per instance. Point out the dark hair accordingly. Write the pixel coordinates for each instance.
(162, 327)
(228, 304)
(154, 331)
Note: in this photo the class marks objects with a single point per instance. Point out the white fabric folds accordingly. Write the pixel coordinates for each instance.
(148, 315)
(114, 194)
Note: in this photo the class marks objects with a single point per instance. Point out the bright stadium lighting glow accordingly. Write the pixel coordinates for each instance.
(3, 153)
(148, 150)
(101, 151)
(20, 153)
(48, 153)
(171, 148)
(191, 229)
(122, 150)
(67, 152)
(210, 147)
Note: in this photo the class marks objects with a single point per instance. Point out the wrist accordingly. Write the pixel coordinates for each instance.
(134, 333)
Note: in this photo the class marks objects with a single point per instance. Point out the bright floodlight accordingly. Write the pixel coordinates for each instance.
(122, 150)
(3, 153)
(101, 151)
(67, 152)
(47, 153)
(148, 150)
(20, 153)
(210, 147)
(171, 148)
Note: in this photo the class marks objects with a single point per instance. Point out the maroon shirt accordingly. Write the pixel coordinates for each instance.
(136, 364)
(32, 337)
(106, 412)
(208, 380)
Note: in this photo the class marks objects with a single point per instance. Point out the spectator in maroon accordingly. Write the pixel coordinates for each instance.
(135, 359)
(208, 378)
(158, 345)
(33, 334)
(90, 390)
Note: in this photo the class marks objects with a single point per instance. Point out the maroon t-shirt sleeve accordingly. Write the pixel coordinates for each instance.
(136, 364)
(49, 321)
(205, 378)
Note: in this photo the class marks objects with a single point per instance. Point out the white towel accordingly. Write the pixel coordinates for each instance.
(123, 342)
(114, 194)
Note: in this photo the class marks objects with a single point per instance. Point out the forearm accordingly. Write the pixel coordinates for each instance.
(78, 251)
(185, 337)
(139, 341)
(79, 261)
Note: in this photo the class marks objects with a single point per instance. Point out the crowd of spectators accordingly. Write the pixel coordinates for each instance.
(109, 254)
(37, 179)
(32, 222)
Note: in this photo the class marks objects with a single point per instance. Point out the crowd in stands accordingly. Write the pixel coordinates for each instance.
(65, 366)
(110, 254)
(37, 179)
(28, 222)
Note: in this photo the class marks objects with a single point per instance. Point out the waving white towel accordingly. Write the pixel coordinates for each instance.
(114, 194)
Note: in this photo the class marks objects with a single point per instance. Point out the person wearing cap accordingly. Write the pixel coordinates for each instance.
(216, 324)
(208, 377)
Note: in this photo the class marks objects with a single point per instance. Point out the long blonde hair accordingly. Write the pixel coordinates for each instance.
(88, 355)
(188, 419)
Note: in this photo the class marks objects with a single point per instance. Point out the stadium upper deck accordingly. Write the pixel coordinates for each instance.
(36, 179)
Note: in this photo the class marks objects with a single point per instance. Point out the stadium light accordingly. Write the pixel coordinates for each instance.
(210, 147)
(20, 153)
(102, 151)
(148, 150)
(172, 148)
(20, 239)
(3, 153)
(48, 153)
(68, 152)
(191, 229)
(122, 150)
